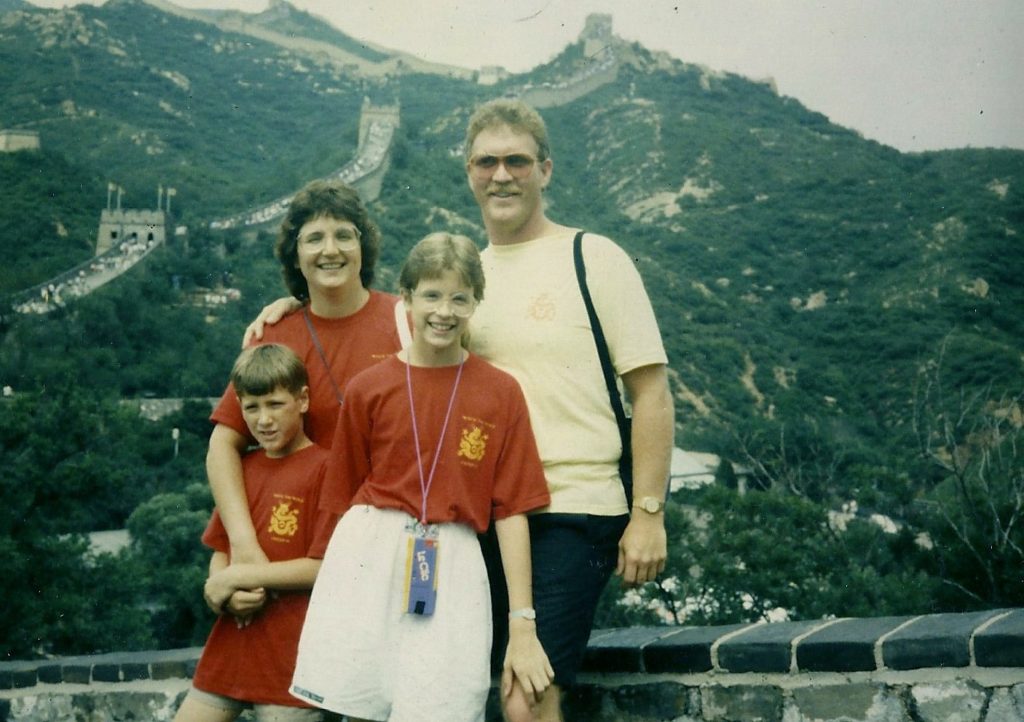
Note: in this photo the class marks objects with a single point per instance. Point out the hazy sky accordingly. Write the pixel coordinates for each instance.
(914, 74)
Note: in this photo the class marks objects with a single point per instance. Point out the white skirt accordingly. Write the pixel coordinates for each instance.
(362, 655)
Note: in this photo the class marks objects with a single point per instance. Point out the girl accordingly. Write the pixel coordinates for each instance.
(431, 443)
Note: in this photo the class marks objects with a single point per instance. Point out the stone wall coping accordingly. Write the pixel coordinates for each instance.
(110, 667)
(980, 639)
(990, 640)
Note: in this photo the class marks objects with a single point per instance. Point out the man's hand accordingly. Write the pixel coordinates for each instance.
(271, 314)
(643, 548)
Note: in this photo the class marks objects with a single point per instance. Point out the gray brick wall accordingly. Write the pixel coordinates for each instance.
(928, 668)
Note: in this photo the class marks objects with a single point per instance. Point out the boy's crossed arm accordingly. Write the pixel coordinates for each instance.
(240, 589)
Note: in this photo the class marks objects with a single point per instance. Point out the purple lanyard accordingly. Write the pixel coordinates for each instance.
(425, 484)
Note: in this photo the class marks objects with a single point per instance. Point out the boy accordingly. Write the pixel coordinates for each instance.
(250, 655)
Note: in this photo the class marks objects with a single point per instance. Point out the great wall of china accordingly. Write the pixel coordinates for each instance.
(139, 232)
(929, 668)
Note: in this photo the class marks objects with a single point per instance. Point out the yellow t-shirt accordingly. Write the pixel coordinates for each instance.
(533, 324)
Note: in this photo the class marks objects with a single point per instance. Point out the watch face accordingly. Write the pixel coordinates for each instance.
(652, 505)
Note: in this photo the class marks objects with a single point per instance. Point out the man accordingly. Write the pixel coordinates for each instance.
(533, 324)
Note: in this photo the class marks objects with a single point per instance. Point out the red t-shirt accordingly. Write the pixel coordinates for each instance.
(350, 345)
(256, 663)
(488, 465)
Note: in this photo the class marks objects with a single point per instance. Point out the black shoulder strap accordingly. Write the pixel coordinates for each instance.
(606, 362)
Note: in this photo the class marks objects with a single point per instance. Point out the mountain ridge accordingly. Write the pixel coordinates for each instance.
(770, 238)
(276, 25)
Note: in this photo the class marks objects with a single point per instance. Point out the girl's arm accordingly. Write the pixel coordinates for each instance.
(525, 660)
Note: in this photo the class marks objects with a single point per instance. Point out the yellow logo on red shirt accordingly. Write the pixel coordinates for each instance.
(284, 520)
(473, 445)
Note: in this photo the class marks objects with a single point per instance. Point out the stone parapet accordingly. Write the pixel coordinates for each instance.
(927, 668)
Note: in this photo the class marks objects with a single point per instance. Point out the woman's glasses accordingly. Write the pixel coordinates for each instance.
(345, 239)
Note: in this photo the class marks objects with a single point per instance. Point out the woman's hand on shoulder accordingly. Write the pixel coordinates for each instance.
(271, 314)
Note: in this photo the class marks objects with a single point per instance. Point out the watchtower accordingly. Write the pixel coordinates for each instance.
(597, 34)
(119, 225)
(371, 113)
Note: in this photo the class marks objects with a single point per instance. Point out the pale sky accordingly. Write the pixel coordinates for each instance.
(913, 74)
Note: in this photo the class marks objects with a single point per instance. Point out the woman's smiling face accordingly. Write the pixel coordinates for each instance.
(329, 254)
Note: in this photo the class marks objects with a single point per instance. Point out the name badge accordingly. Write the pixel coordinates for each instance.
(421, 575)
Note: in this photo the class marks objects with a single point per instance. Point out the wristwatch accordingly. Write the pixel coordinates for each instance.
(650, 504)
(527, 613)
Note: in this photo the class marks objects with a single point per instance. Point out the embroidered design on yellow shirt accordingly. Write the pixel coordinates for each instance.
(541, 308)
(473, 445)
(284, 520)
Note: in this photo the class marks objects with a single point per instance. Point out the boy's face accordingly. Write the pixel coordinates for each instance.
(275, 419)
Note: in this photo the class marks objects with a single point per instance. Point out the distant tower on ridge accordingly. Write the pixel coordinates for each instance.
(118, 225)
(597, 34)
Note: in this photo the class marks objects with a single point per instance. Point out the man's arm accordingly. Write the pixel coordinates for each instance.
(525, 660)
(224, 472)
(644, 547)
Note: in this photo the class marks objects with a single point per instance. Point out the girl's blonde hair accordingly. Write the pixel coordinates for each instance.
(440, 252)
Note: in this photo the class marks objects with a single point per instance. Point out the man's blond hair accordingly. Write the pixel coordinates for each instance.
(511, 112)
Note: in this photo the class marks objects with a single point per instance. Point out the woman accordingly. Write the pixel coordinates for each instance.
(328, 248)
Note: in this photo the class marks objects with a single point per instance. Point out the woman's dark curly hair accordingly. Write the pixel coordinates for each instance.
(324, 198)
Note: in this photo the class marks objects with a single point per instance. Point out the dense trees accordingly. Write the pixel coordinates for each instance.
(827, 528)
(75, 463)
(45, 228)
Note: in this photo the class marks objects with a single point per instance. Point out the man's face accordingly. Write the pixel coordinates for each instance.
(506, 177)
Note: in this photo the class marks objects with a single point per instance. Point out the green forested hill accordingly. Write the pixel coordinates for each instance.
(842, 319)
(147, 98)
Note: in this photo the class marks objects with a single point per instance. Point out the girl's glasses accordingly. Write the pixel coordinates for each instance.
(460, 304)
